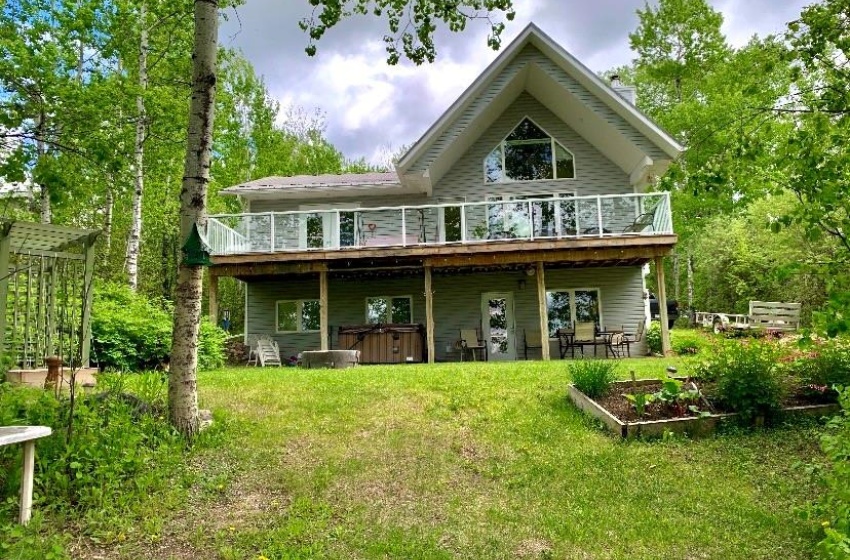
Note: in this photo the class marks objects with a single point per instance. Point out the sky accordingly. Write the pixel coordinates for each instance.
(372, 109)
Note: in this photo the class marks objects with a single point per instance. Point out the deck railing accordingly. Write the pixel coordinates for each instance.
(528, 219)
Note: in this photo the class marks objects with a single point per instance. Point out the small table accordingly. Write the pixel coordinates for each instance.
(27, 435)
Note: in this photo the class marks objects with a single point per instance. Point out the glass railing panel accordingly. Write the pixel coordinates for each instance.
(381, 228)
(422, 225)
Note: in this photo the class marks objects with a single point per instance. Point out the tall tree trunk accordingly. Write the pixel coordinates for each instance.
(135, 240)
(41, 151)
(108, 212)
(677, 276)
(691, 283)
(182, 381)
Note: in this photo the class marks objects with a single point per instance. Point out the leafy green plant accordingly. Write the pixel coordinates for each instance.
(832, 509)
(823, 365)
(131, 332)
(674, 396)
(750, 379)
(653, 338)
(687, 341)
(640, 401)
(593, 377)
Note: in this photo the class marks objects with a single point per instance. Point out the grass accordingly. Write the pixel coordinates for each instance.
(468, 461)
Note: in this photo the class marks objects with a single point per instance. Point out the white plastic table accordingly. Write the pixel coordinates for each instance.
(27, 435)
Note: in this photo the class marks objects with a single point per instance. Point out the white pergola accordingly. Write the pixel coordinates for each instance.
(45, 270)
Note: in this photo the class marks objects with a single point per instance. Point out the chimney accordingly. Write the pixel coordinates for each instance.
(629, 93)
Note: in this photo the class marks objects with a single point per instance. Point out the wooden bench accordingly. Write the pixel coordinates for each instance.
(26, 435)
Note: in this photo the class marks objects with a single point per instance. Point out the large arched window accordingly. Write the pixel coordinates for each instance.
(528, 154)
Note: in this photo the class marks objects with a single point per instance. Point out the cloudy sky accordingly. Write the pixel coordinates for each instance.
(371, 108)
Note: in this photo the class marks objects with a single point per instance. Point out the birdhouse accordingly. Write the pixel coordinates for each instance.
(196, 250)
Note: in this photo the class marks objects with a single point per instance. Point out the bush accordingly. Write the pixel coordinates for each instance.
(750, 379)
(653, 338)
(131, 332)
(593, 377)
(824, 365)
(120, 452)
(832, 509)
(687, 341)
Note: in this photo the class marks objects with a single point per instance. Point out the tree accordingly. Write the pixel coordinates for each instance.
(416, 39)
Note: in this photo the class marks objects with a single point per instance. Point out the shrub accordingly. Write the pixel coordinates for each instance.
(119, 451)
(593, 377)
(653, 338)
(750, 379)
(824, 365)
(131, 332)
(687, 341)
(832, 509)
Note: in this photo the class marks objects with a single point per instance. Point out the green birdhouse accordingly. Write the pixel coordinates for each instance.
(196, 251)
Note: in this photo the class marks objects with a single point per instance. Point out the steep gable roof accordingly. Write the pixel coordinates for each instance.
(536, 64)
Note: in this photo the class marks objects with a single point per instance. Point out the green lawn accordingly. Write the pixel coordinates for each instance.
(471, 461)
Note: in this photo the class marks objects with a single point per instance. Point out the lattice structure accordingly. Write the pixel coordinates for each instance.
(45, 293)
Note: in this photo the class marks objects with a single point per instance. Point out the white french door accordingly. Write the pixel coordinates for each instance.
(498, 327)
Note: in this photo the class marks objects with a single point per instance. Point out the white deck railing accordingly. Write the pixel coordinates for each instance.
(530, 219)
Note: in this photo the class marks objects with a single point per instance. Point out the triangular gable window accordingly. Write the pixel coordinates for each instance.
(528, 154)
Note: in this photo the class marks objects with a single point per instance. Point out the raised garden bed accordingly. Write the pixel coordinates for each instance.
(617, 414)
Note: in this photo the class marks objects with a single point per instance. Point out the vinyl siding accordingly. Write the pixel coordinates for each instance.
(457, 303)
(532, 55)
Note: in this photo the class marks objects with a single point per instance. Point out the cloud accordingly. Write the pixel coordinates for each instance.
(370, 105)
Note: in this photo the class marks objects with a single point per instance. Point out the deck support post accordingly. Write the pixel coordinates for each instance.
(666, 348)
(323, 309)
(429, 314)
(544, 314)
(213, 307)
(5, 249)
(88, 293)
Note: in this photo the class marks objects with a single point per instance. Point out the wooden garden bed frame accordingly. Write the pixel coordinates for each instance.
(693, 426)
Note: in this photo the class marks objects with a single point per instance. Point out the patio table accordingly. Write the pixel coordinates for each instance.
(26, 435)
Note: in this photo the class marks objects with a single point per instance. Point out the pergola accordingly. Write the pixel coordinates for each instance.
(45, 293)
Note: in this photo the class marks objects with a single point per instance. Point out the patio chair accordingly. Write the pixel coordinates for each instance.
(630, 338)
(470, 342)
(646, 220)
(532, 341)
(267, 352)
(566, 342)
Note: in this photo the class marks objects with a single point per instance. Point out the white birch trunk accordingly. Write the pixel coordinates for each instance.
(41, 151)
(135, 239)
(108, 212)
(677, 276)
(691, 284)
(182, 380)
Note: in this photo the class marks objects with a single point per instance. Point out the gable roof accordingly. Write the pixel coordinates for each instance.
(316, 186)
(535, 63)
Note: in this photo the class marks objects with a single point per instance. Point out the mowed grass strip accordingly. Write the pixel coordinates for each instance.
(475, 460)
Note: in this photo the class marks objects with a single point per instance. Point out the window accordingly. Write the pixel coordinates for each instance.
(298, 316)
(528, 154)
(384, 310)
(565, 306)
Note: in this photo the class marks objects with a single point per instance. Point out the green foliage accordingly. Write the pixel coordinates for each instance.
(131, 332)
(676, 397)
(653, 338)
(823, 364)
(832, 508)
(749, 376)
(640, 401)
(118, 452)
(414, 33)
(593, 377)
(687, 341)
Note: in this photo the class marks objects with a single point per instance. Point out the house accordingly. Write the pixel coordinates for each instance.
(523, 209)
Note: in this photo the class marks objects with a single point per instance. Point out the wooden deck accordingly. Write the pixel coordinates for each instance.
(636, 249)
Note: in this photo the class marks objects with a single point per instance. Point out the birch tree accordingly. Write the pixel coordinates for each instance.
(412, 24)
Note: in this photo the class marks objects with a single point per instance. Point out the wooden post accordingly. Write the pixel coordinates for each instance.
(26, 482)
(544, 312)
(662, 306)
(5, 248)
(429, 314)
(87, 301)
(323, 308)
(213, 307)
